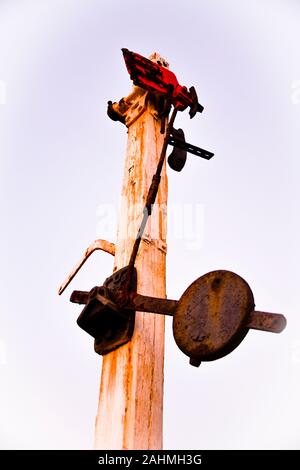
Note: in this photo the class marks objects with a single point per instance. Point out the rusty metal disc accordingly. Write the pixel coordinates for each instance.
(210, 318)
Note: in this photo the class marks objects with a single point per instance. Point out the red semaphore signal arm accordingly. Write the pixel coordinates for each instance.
(155, 78)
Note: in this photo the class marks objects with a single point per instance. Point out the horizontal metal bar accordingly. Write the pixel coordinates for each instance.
(145, 303)
(133, 301)
(265, 321)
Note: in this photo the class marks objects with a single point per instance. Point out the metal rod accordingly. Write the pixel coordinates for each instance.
(152, 191)
(143, 303)
(265, 321)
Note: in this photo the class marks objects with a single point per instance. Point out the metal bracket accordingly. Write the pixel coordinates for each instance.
(177, 157)
(177, 139)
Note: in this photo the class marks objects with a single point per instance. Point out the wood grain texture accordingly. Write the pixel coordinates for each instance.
(130, 411)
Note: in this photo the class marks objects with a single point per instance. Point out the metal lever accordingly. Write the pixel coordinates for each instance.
(210, 319)
(134, 301)
(264, 321)
(96, 245)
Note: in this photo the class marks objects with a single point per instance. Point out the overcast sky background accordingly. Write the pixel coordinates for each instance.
(62, 160)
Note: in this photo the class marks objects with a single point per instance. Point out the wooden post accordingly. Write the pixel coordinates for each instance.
(130, 411)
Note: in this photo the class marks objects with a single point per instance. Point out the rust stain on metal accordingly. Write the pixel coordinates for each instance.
(210, 318)
(264, 321)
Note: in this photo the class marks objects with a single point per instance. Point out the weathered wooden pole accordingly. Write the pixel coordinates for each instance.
(130, 411)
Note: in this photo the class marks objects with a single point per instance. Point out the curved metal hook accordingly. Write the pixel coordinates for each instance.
(96, 245)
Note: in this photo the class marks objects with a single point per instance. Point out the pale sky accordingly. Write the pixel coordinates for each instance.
(62, 162)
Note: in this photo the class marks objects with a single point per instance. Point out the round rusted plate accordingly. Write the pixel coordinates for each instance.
(210, 318)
